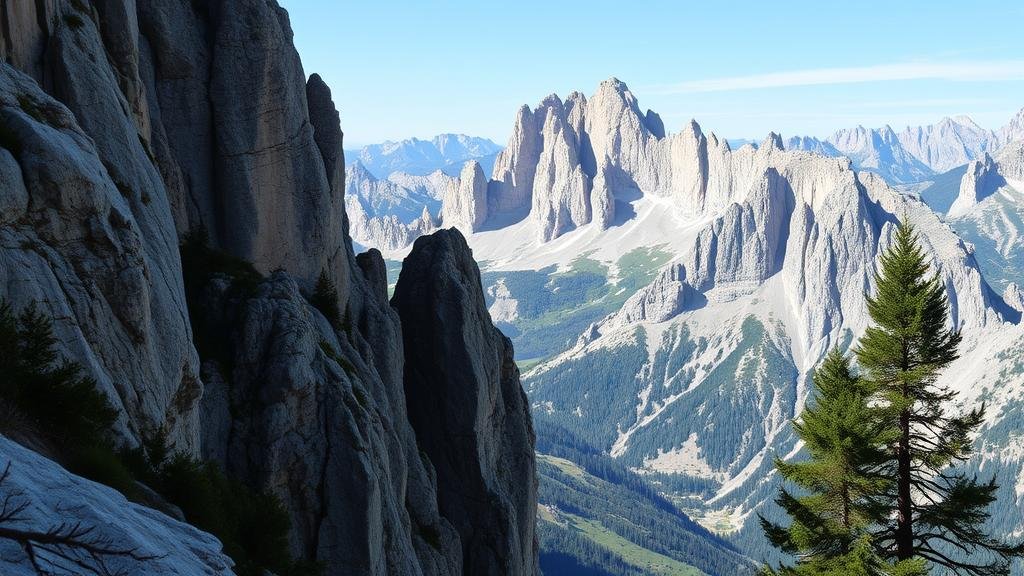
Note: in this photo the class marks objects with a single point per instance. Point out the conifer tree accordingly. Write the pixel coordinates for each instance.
(937, 513)
(841, 483)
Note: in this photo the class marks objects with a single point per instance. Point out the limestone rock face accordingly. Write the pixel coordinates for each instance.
(1014, 129)
(1014, 297)
(1010, 159)
(747, 243)
(96, 248)
(327, 131)
(511, 187)
(26, 27)
(317, 416)
(985, 177)
(467, 407)
(561, 190)
(268, 169)
(168, 116)
(664, 298)
(167, 546)
(465, 202)
(979, 181)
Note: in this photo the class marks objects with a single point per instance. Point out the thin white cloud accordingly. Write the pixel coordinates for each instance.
(983, 71)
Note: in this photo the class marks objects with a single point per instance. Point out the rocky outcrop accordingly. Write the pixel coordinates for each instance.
(164, 117)
(985, 177)
(100, 254)
(465, 202)
(511, 187)
(318, 417)
(747, 243)
(663, 299)
(159, 545)
(469, 412)
(1014, 129)
(1011, 162)
(561, 189)
(980, 180)
(1014, 297)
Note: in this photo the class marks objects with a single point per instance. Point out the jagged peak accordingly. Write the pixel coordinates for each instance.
(965, 120)
(359, 171)
(470, 169)
(576, 96)
(773, 140)
(613, 83)
(551, 101)
(693, 129)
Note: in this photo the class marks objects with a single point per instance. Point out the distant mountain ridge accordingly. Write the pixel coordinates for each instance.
(918, 152)
(445, 152)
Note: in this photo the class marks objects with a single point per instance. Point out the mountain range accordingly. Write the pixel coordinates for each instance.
(668, 296)
(444, 152)
(917, 153)
(585, 362)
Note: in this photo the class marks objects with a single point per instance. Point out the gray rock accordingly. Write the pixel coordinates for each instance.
(465, 202)
(467, 407)
(980, 180)
(169, 115)
(161, 545)
(96, 248)
(318, 418)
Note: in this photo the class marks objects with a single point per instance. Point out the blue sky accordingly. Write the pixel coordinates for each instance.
(742, 69)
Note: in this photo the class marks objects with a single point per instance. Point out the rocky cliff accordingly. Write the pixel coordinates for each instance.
(465, 200)
(469, 412)
(124, 126)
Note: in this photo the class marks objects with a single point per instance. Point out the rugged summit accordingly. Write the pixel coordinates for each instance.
(980, 180)
(465, 200)
(470, 414)
(125, 127)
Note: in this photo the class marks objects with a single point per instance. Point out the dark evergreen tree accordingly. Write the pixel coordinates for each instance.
(841, 485)
(63, 405)
(937, 513)
(325, 299)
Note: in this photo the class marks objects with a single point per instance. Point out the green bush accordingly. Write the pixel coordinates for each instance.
(253, 526)
(40, 387)
(65, 406)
